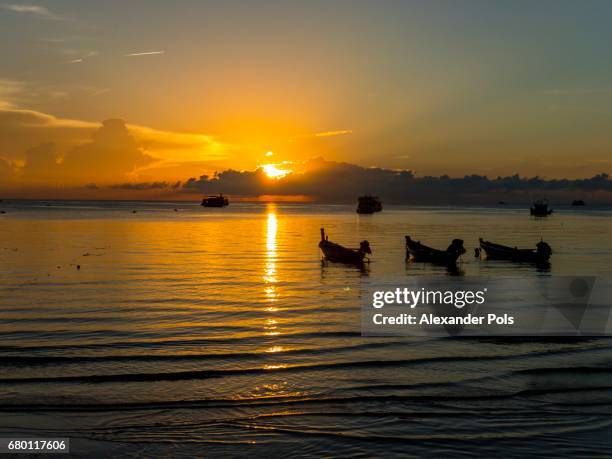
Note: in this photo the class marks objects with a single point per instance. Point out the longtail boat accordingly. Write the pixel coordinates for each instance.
(541, 254)
(336, 252)
(420, 252)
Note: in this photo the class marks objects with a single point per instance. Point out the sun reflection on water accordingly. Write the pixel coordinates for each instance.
(275, 349)
(270, 279)
(270, 276)
(270, 268)
(275, 367)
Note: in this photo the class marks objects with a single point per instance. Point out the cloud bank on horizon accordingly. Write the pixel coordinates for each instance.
(41, 154)
(330, 181)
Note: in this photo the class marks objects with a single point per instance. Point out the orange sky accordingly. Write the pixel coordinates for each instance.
(197, 87)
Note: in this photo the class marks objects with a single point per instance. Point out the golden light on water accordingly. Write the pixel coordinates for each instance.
(271, 229)
(274, 367)
(270, 268)
(270, 275)
(275, 349)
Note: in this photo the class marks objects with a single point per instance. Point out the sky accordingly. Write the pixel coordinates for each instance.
(98, 94)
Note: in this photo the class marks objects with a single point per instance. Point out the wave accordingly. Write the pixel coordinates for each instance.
(163, 342)
(208, 374)
(29, 360)
(420, 399)
(577, 369)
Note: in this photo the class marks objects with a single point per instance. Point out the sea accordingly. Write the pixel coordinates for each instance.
(165, 329)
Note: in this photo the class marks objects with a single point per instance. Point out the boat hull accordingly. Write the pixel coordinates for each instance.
(337, 253)
(540, 213)
(418, 252)
(367, 211)
(502, 252)
(215, 201)
(214, 204)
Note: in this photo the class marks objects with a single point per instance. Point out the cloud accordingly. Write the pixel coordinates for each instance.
(79, 60)
(131, 148)
(111, 153)
(146, 53)
(333, 133)
(9, 88)
(35, 10)
(21, 130)
(99, 92)
(146, 186)
(184, 146)
(15, 93)
(342, 182)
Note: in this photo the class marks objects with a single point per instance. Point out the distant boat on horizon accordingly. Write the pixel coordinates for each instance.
(540, 208)
(578, 202)
(368, 204)
(215, 201)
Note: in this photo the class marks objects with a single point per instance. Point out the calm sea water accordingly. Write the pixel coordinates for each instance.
(219, 331)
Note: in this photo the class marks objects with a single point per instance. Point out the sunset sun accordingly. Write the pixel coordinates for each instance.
(275, 172)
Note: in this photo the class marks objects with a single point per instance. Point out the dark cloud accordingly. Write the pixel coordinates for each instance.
(142, 186)
(147, 186)
(343, 182)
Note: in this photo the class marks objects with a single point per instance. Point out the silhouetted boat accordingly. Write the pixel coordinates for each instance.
(215, 201)
(494, 251)
(368, 204)
(540, 208)
(578, 202)
(336, 252)
(419, 252)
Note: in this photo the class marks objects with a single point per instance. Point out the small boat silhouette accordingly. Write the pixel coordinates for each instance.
(420, 252)
(215, 201)
(338, 253)
(541, 254)
(540, 208)
(368, 204)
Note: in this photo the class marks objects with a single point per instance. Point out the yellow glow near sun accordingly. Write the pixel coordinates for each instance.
(274, 172)
(269, 153)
